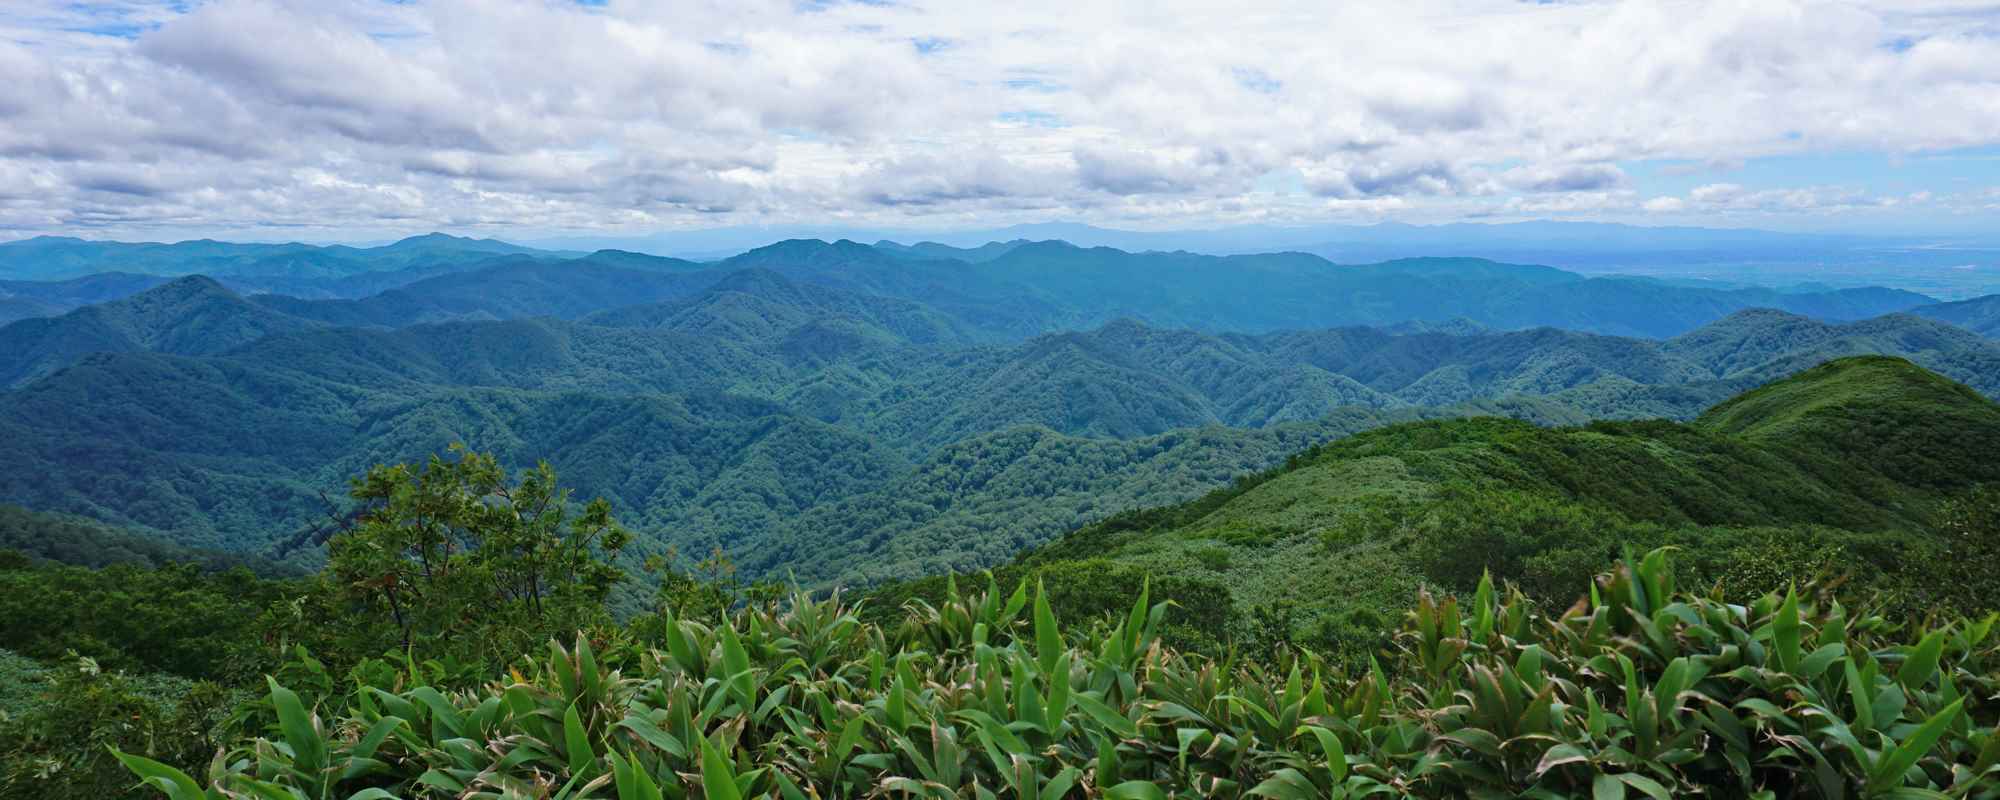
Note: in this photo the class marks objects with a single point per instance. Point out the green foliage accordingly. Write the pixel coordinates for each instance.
(176, 619)
(458, 557)
(83, 542)
(1843, 472)
(1980, 315)
(814, 409)
(1642, 689)
(59, 744)
(1970, 557)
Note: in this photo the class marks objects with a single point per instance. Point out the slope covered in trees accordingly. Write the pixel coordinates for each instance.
(189, 316)
(1980, 315)
(1846, 468)
(1277, 668)
(219, 420)
(61, 257)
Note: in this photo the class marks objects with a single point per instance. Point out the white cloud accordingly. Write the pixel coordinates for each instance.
(556, 116)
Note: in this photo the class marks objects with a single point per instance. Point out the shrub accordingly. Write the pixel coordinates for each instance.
(1641, 689)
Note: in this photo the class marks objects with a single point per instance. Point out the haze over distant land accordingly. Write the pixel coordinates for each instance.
(737, 124)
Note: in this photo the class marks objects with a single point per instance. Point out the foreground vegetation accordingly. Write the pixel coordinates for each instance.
(1852, 470)
(1640, 690)
(1837, 533)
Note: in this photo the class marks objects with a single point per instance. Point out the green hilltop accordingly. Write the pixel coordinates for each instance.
(1842, 468)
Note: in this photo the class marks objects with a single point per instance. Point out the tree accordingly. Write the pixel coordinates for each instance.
(456, 558)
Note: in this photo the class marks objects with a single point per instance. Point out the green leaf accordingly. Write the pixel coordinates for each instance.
(1607, 787)
(1785, 632)
(1060, 784)
(175, 783)
(1650, 787)
(1336, 753)
(1286, 784)
(1559, 755)
(651, 734)
(1048, 639)
(577, 742)
(1106, 716)
(718, 778)
(1922, 661)
(1890, 770)
(308, 750)
(1135, 790)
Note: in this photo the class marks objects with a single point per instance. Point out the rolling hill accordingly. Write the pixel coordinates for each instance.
(1839, 467)
(1002, 291)
(58, 257)
(1980, 315)
(190, 316)
(24, 299)
(217, 420)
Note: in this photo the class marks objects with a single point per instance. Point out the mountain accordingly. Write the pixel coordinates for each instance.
(1839, 467)
(64, 539)
(264, 402)
(24, 299)
(758, 305)
(1037, 287)
(977, 502)
(510, 287)
(1980, 315)
(190, 316)
(1009, 289)
(1762, 344)
(715, 403)
(933, 250)
(54, 257)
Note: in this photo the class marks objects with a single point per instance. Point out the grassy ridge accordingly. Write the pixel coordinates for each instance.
(1844, 467)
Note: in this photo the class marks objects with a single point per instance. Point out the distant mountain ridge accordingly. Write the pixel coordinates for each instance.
(1006, 290)
(55, 257)
(709, 415)
(1980, 315)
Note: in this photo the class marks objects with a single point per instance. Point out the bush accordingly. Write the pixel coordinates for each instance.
(1641, 689)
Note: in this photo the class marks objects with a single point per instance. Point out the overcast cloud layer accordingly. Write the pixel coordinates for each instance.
(331, 119)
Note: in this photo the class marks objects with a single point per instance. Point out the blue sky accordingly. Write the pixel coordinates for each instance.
(363, 119)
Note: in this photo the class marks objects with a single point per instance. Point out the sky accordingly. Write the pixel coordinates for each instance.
(339, 120)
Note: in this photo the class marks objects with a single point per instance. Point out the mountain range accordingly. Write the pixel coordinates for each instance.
(799, 407)
(1008, 290)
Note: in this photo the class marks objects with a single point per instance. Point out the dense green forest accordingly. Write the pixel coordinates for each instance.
(1288, 528)
(711, 418)
(1845, 468)
(1014, 290)
(1255, 642)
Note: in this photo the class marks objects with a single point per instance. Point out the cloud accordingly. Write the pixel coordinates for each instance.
(1817, 200)
(338, 116)
(1564, 178)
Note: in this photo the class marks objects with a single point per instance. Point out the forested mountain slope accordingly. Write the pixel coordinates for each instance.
(1980, 315)
(24, 299)
(1006, 290)
(233, 447)
(60, 257)
(1041, 286)
(1841, 467)
(508, 288)
(190, 316)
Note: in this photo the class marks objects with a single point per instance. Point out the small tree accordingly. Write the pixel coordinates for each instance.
(455, 558)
